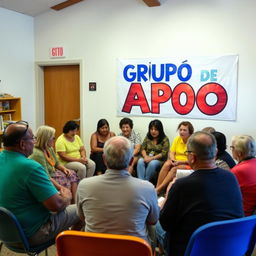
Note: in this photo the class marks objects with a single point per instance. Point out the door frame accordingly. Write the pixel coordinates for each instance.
(39, 89)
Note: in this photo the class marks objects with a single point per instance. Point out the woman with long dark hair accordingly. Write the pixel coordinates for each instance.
(154, 151)
(98, 140)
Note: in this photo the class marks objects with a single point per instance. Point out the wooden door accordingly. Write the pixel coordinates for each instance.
(61, 95)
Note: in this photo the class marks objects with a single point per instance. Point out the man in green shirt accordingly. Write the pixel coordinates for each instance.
(25, 189)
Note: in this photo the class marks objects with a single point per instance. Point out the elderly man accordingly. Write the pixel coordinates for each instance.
(28, 193)
(208, 194)
(244, 151)
(116, 202)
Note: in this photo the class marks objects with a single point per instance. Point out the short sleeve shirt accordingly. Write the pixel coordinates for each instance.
(72, 149)
(179, 148)
(24, 185)
(134, 138)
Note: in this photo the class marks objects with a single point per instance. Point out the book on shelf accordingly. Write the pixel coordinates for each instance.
(1, 123)
(5, 105)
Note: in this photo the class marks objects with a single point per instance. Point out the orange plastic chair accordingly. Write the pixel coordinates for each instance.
(78, 243)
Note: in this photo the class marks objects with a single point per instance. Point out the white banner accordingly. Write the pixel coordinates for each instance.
(194, 87)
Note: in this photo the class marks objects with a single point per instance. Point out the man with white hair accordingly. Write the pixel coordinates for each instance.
(116, 202)
(244, 151)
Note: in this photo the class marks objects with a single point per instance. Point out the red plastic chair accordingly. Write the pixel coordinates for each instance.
(77, 243)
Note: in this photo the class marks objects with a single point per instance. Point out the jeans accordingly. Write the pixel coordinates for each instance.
(160, 235)
(146, 171)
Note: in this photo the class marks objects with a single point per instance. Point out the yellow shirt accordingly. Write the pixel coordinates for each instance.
(70, 148)
(179, 148)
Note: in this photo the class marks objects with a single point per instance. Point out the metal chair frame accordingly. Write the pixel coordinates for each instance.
(11, 234)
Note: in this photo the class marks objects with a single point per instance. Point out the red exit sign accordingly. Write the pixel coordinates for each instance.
(57, 52)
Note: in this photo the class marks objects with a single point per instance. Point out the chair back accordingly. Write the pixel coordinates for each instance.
(11, 232)
(234, 237)
(78, 243)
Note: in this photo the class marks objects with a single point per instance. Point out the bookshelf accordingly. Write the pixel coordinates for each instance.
(10, 110)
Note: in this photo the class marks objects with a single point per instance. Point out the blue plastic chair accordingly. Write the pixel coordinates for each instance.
(11, 234)
(234, 237)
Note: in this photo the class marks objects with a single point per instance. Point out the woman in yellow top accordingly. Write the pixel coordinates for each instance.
(177, 157)
(71, 151)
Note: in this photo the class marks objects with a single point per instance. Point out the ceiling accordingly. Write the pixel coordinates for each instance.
(29, 7)
(36, 7)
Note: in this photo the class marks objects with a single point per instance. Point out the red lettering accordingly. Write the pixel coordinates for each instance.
(190, 98)
(221, 94)
(53, 51)
(136, 97)
(60, 51)
(160, 93)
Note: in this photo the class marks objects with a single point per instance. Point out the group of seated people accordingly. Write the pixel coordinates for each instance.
(65, 187)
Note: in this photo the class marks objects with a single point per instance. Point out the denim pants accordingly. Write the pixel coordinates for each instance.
(146, 171)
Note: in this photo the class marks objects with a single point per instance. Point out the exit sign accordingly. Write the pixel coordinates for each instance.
(57, 52)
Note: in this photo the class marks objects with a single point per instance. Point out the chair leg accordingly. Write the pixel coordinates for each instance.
(46, 252)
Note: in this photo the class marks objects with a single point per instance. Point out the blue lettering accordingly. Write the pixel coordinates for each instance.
(204, 75)
(132, 74)
(171, 69)
(142, 70)
(161, 76)
(214, 75)
(180, 73)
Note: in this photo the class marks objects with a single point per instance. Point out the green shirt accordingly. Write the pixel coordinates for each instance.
(155, 149)
(24, 185)
(38, 155)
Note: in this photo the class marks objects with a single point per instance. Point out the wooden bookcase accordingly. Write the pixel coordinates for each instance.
(10, 109)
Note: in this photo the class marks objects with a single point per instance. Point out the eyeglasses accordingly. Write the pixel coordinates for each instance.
(188, 152)
(31, 138)
(232, 147)
(18, 136)
(18, 122)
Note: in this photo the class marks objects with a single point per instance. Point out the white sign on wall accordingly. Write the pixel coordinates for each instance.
(192, 87)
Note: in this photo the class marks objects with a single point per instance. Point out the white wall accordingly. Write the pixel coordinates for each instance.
(97, 32)
(17, 60)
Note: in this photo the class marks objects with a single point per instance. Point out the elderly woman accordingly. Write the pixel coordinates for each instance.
(154, 151)
(177, 158)
(126, 126)
(244, 151)
(71, 151)
(98, 140)
(44, 154)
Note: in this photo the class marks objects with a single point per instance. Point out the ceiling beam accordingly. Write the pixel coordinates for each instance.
(152, 3)
(65, 4)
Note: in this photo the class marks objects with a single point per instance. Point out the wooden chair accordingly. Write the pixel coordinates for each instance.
(234, 237)
(78, 243)
(11, 234)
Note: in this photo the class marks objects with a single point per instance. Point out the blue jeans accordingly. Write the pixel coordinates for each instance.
(146, 171)
(161, 236)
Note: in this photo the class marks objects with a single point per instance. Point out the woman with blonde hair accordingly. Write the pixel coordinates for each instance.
(44, 154)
